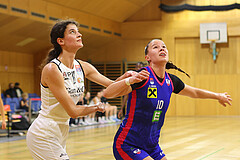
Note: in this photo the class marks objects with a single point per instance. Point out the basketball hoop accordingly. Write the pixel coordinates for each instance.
(213, 33)
(213, 49)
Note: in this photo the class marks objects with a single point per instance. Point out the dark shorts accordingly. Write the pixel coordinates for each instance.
(128, 152)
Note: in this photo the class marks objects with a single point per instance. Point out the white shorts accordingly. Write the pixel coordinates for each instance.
(46, 139)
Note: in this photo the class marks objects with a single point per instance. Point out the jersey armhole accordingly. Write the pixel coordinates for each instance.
(43, 85)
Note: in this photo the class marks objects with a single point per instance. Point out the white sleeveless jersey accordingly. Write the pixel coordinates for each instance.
(74, 83)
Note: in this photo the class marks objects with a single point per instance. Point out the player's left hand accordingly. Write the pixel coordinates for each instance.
(139, 76)
(224, 98)
(129, 73)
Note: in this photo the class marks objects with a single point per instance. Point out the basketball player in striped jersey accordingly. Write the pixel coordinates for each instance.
(62, 84)
(138, 135)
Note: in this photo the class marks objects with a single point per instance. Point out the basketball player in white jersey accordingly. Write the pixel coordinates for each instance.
(62, 84)
(2, 112)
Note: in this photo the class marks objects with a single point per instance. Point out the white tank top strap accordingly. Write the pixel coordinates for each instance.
(57, 62)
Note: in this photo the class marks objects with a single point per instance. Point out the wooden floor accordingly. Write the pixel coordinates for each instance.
(182, 138)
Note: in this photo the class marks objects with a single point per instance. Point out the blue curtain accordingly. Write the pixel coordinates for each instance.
(168, 8)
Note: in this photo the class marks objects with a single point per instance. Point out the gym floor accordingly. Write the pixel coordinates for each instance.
(182, 138)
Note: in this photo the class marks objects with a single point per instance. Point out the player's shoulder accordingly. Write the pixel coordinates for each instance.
(172, 76)
(80, 61)
(51, 68)
(84, 64)
(50, 72)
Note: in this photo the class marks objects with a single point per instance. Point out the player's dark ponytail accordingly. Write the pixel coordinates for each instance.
(169, 64)
(57, 32)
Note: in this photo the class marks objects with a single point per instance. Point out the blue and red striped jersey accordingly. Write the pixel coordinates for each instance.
(146, 109)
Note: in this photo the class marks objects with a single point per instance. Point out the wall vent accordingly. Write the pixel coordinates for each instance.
(117, 34)
(96, 29)
(53, 18)
(19, 10)
(37, 15)
(3, 6)
(108, 32)
(84, 26)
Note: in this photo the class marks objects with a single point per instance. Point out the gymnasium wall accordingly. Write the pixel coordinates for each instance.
(180, 32)
(17, 67)
(26, 70)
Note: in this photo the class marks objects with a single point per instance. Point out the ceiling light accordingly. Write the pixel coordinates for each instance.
(25, 42)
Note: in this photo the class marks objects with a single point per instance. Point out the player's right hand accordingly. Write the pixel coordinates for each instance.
(100, 107)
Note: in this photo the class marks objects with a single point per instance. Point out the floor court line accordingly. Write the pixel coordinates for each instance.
(211, 154)
(90, 151)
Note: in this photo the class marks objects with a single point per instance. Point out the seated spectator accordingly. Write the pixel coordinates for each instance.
(86, 98)
(111, 111)
(18, 90)
(24, 102)
(74, 122)
(10, 92)
(91, 119)
(86, 101)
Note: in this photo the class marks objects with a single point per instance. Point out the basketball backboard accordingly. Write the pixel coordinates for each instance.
(213, 32)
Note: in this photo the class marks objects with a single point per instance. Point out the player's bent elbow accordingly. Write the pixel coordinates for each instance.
(73, 115)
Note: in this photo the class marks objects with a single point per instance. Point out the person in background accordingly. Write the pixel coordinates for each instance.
(92, 117)
(24, 104)
(78, 121)
(18, 90)
(10, 92)
(111, 111)
(86, 101)
(74, 122)
(87, 98)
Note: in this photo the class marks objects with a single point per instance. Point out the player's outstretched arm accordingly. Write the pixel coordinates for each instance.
(52, 78)
(93, 75)
(123, 87)
(223, 98)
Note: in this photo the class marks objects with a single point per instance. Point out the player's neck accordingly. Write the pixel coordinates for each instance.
(159, 70)
(67, 59)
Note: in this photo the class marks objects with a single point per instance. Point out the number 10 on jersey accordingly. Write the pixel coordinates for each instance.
(157, 112)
